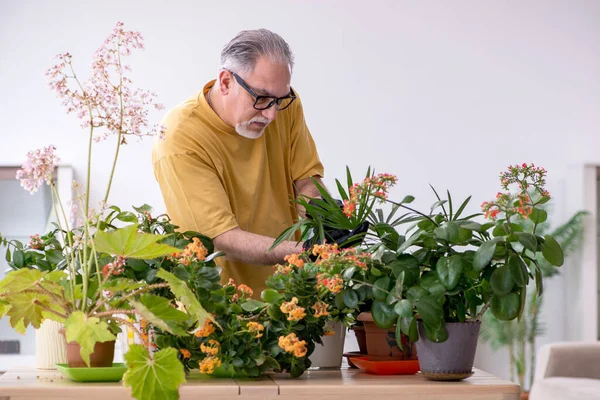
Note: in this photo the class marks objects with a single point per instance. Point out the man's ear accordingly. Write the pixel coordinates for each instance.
(225, 82)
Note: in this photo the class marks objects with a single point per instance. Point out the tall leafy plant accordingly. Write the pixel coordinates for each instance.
(519, 336)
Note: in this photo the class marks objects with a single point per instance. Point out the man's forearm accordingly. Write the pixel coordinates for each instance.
(307, 188)
(251, 248)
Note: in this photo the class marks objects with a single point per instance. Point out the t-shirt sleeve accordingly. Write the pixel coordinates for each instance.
(194, 195)
(305, 158)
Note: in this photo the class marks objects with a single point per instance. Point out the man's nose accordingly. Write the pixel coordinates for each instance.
(270, 113)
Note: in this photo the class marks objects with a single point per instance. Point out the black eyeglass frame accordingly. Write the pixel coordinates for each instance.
(257, 98)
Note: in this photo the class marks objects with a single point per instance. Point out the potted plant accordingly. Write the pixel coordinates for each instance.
(519, 336)
(75, 275)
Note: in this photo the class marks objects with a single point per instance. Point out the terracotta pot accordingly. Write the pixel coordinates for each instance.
(524, 395)
(103, 355)
(382, 342)
(361, 338)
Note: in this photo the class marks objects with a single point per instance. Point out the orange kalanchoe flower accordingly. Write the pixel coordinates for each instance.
(320, 309)
(207, 366)
(334, 284)
(294, 260)
(206, 330)
(185, 352)
(294, 312)
(211, 348)
(194, 249)
(292, 344)
(255, 328)
(245, 290)
(282, 269)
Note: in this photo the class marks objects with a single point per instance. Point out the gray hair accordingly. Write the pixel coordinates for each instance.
(242, 52)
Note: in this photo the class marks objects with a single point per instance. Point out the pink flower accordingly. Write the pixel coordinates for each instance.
(38, 168)
(107, 99)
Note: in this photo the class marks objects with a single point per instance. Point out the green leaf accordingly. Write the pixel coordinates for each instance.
(415, 293)
(350, 298)
(24, 311)
(518, 270)
(505, 308)
(447, 231)
(253, 305)
(502, 281)
(127, 216)
(461, 208)
(431, 311)
(484, 255)
(127, 242)
(381, 288)
(87, 331)
(383, 314)
(19, 258)
(158, 311)
(538, 215)
(552, 251)
(528, 241)
(143, 208)
(183, 293)
(270, 296)
(404, 308)
(432, 283)
(407, 199)
(449, 269)
(156, 378)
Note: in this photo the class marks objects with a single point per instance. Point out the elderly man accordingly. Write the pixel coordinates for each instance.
(236, 154)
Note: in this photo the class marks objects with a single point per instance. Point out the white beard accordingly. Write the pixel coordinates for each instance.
(243, 128)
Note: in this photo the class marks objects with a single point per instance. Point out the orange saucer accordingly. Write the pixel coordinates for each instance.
(386, 367)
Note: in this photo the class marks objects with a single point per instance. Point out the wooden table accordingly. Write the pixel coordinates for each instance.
(344, 384)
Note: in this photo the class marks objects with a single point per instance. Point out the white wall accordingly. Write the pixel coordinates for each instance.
(447, 93)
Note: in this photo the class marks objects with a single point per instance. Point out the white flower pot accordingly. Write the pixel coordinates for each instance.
(50, 346)
(329, 355)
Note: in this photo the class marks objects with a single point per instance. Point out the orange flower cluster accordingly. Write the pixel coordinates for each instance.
(185, 352)
(376, 186)
(255, 328)
(282, 269)
(206, 330)
(208, 365)
(193, 250)
(292, 344)
(328, 332)
(320, 309)
(334, 284)
(245, 290)
(293, 259)
(212, 347)
(291, 308)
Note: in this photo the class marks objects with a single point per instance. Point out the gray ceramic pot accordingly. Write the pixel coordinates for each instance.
(450, 360)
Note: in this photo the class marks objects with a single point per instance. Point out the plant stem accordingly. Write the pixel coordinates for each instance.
(482, 311)
(67, 237)
(55, 297)
(110, 313)
(45, 307)
(132, 294)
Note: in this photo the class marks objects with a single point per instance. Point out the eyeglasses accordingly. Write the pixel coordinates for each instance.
(264, 102)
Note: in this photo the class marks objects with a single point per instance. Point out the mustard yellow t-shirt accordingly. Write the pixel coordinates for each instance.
(213, 180)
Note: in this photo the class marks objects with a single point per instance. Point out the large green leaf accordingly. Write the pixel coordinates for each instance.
(156, 378)
(432, 283)
(381, 288)
(518, 270)
(383, 314)
(158, 311)
(449, 270)
(447, 231)
(502, 281)
(538, 215)
(24, 309)
(430, 308)
(87, 331)
(404, 308)
(528, 241)
(128, 242)
(484, 255)
(552, 251)
(183, 293)
(19, 280)
(505, 308)
(253, 305)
